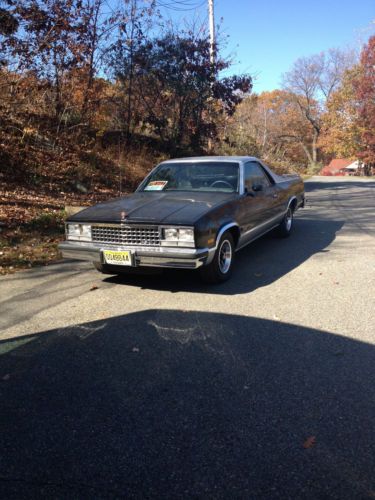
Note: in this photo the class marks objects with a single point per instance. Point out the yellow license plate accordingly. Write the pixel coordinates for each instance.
(123, 258)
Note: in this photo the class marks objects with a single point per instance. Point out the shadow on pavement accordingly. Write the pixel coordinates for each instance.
(169, 404)
(340, 185)
(260, 264)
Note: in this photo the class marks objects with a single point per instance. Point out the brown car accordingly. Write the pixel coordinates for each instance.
(188, 213)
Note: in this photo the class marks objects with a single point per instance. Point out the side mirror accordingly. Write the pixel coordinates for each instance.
(257, 187)
(248, 193)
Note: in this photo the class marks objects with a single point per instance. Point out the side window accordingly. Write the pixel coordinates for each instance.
(254, 174)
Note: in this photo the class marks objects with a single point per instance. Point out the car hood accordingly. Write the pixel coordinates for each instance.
(166, 208)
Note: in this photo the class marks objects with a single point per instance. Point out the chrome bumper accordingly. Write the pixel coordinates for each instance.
(185, 258)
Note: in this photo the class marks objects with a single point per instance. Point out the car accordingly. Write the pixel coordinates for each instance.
(188, 213)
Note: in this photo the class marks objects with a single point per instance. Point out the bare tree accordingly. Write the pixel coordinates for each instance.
(312, 81)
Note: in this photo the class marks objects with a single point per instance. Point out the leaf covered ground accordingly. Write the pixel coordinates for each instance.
(32, 224)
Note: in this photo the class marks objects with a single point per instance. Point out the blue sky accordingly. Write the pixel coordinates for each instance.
(267, 36)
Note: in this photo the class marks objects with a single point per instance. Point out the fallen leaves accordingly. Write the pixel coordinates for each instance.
(32, 249)
(309, 442)
(32, 223)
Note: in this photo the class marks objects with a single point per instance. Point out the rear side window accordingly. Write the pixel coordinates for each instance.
(254, 174)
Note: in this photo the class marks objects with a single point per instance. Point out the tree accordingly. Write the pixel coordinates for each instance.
(93, 30)
(8, 27)
(311, 81)
(8, 20)
(132, 41)
(271, 125)
(176, 89)
(341, 127)
(49, 44)
(365, 90)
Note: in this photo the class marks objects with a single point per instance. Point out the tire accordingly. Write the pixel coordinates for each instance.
(221, 266)
(286, 225)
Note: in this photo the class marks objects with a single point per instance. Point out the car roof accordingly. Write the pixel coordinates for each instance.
(211, 159)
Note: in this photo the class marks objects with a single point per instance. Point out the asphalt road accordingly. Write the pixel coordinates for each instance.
(161, 387)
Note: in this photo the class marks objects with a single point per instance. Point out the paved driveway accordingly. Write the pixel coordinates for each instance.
(161, 387)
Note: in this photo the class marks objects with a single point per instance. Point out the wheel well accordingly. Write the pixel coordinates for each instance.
(293, 204)
(235, 232)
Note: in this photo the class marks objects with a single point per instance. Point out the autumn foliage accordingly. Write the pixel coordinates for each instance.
(89, 92)
(364, 87)
(349, 121)
(325, 110)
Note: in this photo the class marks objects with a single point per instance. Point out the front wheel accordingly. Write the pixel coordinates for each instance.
(285, 227)
(221, 266)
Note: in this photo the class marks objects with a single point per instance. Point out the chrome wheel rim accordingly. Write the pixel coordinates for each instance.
(225, 256)
(289, 219)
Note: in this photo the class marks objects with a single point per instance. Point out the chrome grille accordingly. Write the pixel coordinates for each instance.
(126, 235)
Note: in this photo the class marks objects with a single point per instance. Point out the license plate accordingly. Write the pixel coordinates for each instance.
(123, 258)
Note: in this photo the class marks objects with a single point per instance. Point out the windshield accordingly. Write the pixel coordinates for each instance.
(200, 176)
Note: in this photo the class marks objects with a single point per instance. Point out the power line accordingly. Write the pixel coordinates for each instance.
(181, 5)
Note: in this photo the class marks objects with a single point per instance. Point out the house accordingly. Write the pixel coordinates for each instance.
(337, 167)
(354, 168)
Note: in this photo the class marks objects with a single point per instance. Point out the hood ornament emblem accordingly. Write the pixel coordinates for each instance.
(123, 216)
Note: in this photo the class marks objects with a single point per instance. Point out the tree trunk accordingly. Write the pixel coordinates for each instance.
(309, 157)
(314, 146)
(92, 48)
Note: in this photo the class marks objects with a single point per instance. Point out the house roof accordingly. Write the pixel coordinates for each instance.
(353, 166)
(335, 166)
(339, 163)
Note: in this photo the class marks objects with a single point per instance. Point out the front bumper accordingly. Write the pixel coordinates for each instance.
(183, 258)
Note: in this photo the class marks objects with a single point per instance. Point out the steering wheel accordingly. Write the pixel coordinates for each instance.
(226, 184)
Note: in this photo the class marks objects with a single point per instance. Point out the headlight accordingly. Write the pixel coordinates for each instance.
(186, 235)
(80, 232)
(171, 233)
(182, 237)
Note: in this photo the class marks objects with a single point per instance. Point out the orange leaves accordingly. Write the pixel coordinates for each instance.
(309, 442)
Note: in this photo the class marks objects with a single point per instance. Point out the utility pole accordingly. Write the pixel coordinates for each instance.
(212, 31)
(212, 58)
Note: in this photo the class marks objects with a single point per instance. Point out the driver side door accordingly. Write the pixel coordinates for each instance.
(257, 202)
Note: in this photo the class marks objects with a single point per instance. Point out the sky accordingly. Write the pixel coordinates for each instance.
(267, 36)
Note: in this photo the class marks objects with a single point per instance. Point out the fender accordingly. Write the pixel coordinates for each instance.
(211, 251)
(291, 201)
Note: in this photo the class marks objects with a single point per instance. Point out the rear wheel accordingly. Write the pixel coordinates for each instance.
(286, 225)
(221, 266)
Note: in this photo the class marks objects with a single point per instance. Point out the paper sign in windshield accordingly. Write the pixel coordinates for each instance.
(156, 185)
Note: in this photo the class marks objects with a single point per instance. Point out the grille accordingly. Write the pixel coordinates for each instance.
(126, 235)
